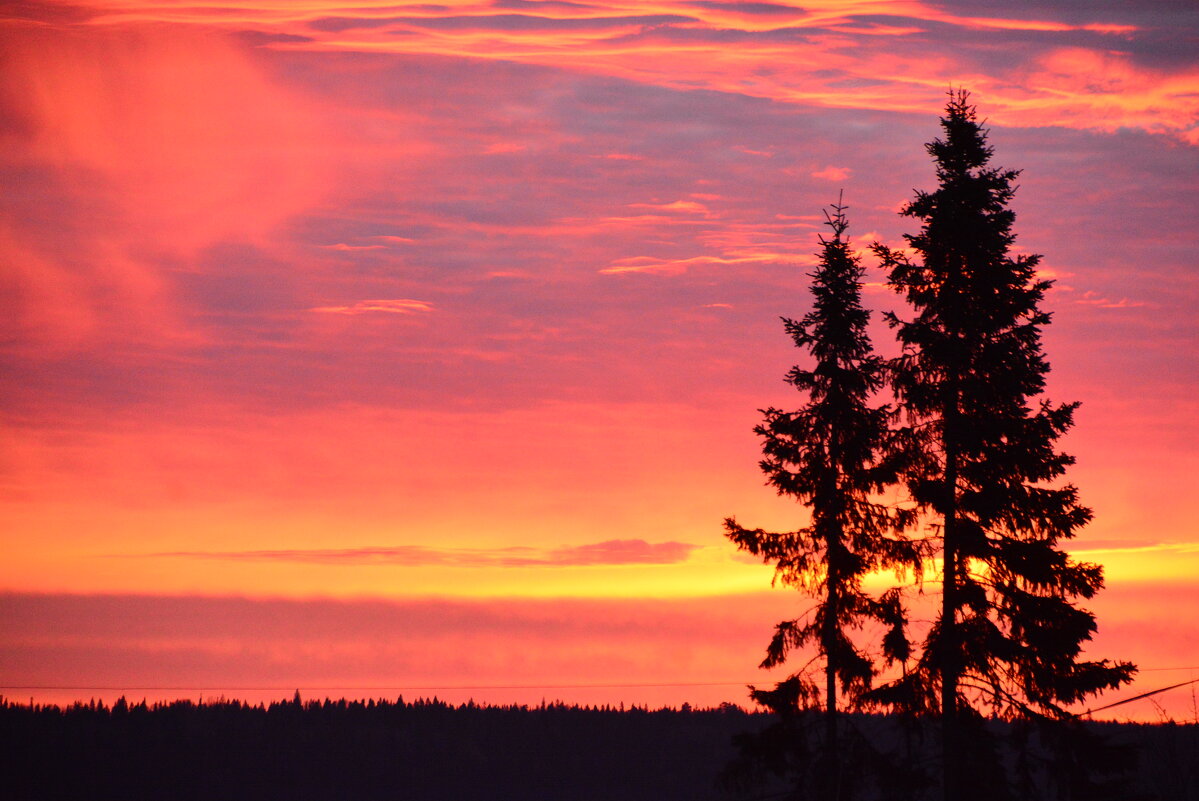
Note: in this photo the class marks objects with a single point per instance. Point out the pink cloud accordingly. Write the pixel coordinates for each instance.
(649, 264)
(393, 306)
(750, 151)
(833, 173)
(609, 552)
(1092, 298)
(350, 248)
(678, 205)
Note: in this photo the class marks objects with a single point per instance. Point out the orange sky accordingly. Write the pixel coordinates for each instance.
(471, 307)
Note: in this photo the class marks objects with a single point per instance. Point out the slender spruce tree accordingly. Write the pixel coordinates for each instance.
(982, 461)
(828, 456)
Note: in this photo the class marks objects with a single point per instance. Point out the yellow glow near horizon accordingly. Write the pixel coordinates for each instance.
(350, 300)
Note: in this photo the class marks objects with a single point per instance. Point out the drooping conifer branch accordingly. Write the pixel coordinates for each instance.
(830, 455)
(982, 462)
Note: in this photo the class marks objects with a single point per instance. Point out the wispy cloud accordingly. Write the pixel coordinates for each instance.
(751, 152)
(349, 248)
(1091, 298)
(831, 173)
(608, 552)
(1135, 546)
(678, 205)
(650, 264)
(395, 306)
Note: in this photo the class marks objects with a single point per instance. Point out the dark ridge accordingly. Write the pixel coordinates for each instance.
(428, 749)
(363, 750)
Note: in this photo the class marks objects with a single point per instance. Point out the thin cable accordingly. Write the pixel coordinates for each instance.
(1139, 697)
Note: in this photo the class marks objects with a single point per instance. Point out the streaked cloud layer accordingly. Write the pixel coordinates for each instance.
(649, 651)
(1110, 66)
(283, 279)
(609, 552)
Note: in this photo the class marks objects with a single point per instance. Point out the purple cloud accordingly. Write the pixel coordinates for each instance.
(609, 552)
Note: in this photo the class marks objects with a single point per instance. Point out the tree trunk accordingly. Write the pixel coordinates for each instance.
(950, 666)
(830, 686)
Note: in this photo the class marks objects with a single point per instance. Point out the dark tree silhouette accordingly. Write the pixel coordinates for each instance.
(375, 750)
(982, 460)
(827, 455)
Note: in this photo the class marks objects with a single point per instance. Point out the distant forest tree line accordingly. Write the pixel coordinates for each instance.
(956, 430)
(429, 750)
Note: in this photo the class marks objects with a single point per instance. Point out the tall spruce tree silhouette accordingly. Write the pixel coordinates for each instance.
(983, 464)
(828, 455)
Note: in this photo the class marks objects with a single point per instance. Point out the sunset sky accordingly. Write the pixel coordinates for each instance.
(419, 346)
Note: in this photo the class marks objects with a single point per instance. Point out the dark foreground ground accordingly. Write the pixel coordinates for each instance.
(427, 750)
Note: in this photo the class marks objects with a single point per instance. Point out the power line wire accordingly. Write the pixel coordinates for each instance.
(1139, 697)
(577, 686)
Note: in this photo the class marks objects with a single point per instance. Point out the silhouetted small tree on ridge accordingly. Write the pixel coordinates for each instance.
(829, 455)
